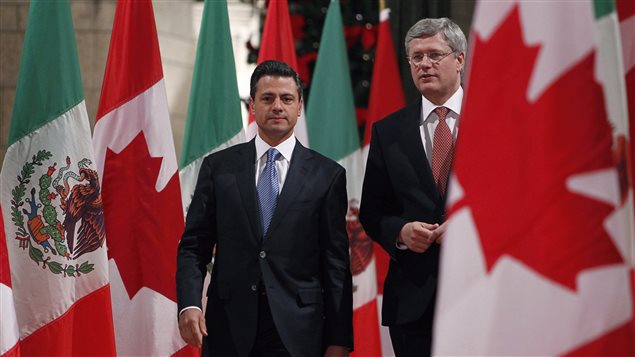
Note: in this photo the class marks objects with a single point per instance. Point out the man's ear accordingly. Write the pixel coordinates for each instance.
(252, 110)
(460, 61)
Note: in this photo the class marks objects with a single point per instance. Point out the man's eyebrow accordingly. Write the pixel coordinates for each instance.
(280, 94)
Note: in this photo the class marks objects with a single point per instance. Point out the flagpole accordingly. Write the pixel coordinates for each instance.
(382, 5)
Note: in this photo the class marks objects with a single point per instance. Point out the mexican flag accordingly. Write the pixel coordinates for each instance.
(213, 120)
(332, 129)
(386, 97)
(50, 195)
(277, 44)
(537, 255)
(9, 332)
(142, 199)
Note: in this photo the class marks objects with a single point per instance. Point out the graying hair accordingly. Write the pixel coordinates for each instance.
(451, 33)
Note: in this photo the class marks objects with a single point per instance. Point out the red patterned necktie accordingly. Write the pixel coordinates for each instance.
(442, 151)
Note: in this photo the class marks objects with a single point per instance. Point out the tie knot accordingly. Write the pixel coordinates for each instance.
(441, 112)
(272, 155)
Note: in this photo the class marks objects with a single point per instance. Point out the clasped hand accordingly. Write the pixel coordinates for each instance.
(419, 236)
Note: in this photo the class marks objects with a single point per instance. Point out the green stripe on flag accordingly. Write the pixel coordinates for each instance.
(49, 83)
(330, 113)
(214, 109)
(603, 7)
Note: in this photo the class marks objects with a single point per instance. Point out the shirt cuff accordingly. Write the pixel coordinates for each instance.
(400, 245)
(189, 308)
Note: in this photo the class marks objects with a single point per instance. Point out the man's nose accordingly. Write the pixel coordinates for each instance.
(277, 104)
(426, 62)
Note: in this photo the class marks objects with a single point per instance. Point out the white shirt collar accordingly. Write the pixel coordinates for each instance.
(285, 148)
(453, 103)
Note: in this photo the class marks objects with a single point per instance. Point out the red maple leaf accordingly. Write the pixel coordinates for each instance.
(143, 226)
(514, 158)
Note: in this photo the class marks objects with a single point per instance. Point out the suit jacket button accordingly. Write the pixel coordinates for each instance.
(254, 287)
(263, 254)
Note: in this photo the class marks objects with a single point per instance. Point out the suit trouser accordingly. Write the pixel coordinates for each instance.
(413, 338)
(268, 342)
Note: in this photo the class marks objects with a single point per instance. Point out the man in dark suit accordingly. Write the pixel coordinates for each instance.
(405, 185)
(275, 213)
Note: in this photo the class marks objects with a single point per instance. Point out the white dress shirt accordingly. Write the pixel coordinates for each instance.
(430, 119)
(282, 163)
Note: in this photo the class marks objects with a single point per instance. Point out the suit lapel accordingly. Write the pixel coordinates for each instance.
(413, 147)
(298, 169)
(245, 178)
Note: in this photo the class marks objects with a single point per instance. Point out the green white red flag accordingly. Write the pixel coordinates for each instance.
(52, 208)
(142, 201)
(537, 258)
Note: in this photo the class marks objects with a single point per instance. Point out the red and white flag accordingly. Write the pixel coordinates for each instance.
(142, 201)
(277, 44)
(386, 97)
(9, 332)
(537, 255)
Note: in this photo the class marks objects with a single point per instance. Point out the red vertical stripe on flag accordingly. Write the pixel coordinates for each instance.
(366, 331)
(130, 72)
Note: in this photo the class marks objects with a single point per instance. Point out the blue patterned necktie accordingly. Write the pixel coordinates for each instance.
(268, 189)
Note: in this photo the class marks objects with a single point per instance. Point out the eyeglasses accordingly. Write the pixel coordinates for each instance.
(434, 57)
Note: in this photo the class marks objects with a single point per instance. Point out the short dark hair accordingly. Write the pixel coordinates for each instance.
(276, 69)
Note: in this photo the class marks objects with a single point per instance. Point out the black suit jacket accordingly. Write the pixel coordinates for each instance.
(303, 262)
(399, 188)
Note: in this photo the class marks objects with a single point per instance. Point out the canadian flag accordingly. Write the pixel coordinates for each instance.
(140, 182)
(537, 259)
(386, 97)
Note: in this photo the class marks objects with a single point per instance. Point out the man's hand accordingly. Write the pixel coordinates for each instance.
(439, 233)
(192, 327)
(336, 351)
(418, 236)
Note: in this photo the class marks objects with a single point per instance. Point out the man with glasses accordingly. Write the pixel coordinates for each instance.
(406, 181)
